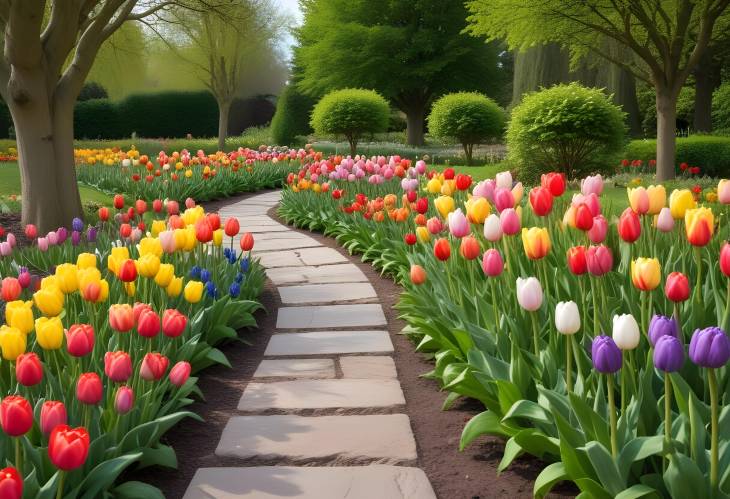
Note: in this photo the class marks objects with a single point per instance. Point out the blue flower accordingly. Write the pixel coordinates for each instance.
(205, 275)
(234, 290)
(240, 277)
(244, 265)
(77, 224)
(210, 289)
(195, 272)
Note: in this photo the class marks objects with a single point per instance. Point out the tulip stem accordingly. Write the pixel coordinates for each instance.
(714, 450)
(61, 482)
(623, 387)
(698, 260)
(612, 415)
(725, 316)
(535, 333)
(18, 455)
(494, 305)
(667, 410)
(596, 329)
(569, 362)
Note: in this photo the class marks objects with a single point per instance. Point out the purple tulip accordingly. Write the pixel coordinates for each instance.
(91, 234)
(668, 354)
(709, 347)
(61, 235)
(77, 224)
(75, 238)
(661, 325)
(605, 354)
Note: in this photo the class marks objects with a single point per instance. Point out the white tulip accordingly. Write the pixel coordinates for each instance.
(504, 180)
(567, 317)
(626, 331)
(493, 228)
(529, 293)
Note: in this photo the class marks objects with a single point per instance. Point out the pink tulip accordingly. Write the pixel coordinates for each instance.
(43, 244)
(592, 185)
(597, 233)
(458, 224)
(510, 221)
(124, 400)
(167, 241)
(665, 221)
(53, 413)
(5, 248)
(492, 263)
(10, 239)
(52, 238)
(179, 373)
(503, 199)
(434, 225)
(493, 228)
(594, 204)
(421, 167)
(723, 191)
(484, 189)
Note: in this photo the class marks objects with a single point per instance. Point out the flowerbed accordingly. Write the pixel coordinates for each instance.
(595, 344)
(103, 327)
(182, 175)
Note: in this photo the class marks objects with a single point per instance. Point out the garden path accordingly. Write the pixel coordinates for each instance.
(324, 416)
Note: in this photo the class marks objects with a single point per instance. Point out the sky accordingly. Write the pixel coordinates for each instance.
(291, 7)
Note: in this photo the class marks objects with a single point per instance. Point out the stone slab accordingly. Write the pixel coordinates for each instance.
(296, 368)
(321, 293)
(322, 482)
(329, 343)
(315, 316)
(321, 394)
(291, 235)
(304, 256)
(368, 367)
(255, 229)
(284, 243)
(385, 438)
(323, 274)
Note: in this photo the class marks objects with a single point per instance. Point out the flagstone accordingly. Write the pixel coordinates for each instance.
(329, 343)
(296, 368)
(362, 314)
(368, 367)
(305, 256)
(322, 274)
(320, 293)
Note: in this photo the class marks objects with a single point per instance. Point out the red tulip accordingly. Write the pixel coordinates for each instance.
(410, 239)
(677, 287)
(418, 275)
(103, 213)
(629, 226)
(53, 413)
(11, 484)
(463, 181)
(203, 231)
(725, 259)
(10, 289)
(337, 193)
(599, 260)
(117, 366)
(125, 230)
(141, 226)
(28, 369)
(148, 323)
(442, 249)
(411, 196)
(577, 260)
(130, 213)
(422, 205)
(89, 389)
(583, 217)
(597, 233)
(16, 415)
(31, 232)
(554, 182)
(247, 241)
(157, 205)
(118, 201)
(173, 323)
(138, 308)
(153, 367)
(140, 206)
(80, 340)
(128, 271)
(449, 173)
(232, 227)
(68, 447)
(124, 400)
(469, 248)
(180, 373)
(176, 222)
(214, 220)
(541, 201)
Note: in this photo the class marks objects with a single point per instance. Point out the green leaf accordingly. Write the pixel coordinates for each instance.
(218, 357)
(137, 490)
(104, 474)
(637, 491)
(484, 423)
(636, 450)
(684, 479)
(605, 467)
(592, 488)
(512, 450)
(528, 409)
(547, 479)
(160, 455)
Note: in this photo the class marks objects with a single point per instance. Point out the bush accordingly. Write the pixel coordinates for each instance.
(98, 119)
(170, 114)
(469, 117)
(292, 116)
(92, 90)
(247, 113)
(567, 128)
(721, 109)
(710, 152)
(351, 112)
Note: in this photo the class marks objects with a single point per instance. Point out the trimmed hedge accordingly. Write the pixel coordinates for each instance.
(97, 119)
(710, 152)
(170, 114)
(292, 116)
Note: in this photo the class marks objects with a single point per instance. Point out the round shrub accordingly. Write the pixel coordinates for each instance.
(469, 117)
(721, 109)
(351, 112)
(566, 128)
(292, 116)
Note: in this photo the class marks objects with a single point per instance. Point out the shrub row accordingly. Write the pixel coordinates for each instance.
(710, 152)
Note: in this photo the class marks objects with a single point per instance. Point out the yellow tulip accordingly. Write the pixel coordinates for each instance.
(175, 287)
(517, 192)
(657, 198)
(67, 278)
(49, 333)
(19, 314)
(150, 246)
(192, 215)
(680, 201)
(49, 301)
(116, 257)
(218, 237)
(193, 291)
(181, 238)
(165, 275)
(638, 200)
(85, 261)
(148, 265)
(447, 188)
(477, 210)
(422, 234)
(49, 282)
(157, 227)
(699, 224)
(646, 273)
(316, 188)
(190, 239)
(103, 291)
(444, 205)
(12, 342)
(536, 241)
(434, 186)
(130, 288)
(188, 173)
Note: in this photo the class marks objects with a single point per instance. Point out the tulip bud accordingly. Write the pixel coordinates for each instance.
(173, 323)
(567, 317)
(180, 373)
(725, 259)
(148, 323)
(434, 225)
(592, 185)
(510, 221)
(53, 413)
(89, 389)
(629, 226)
(16, 415)
(529, 293)
(492, 263)
(503, 199)
(541, 201)
(536, 242)
(699, 224)
(625, 331)
(662, 326)
(645, 273)
(677, 287)
(668, 354)
(80, 340)
(153, 366)
(232, 227)
(68, 448)
(469, 248)
(10, 289)
(583, 217)
(606, 356)
(118, 366)
(28, 369)
(597, 233)
(577, 260)
(442, 249)
(124, 400)
(493, 228)
(247, 241)
(599, 260)
(418, 275)
(709, 347)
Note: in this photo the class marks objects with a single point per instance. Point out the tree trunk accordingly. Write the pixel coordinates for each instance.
(666, 139)
(224, 109)
(352, 140)
(414, 130)
(707, 78)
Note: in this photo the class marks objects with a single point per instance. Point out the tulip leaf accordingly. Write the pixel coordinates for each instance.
(684, 479)
(512, 450)
(593, 424)
(160, 455)
(529, 410)
(508, 394)
(103, 475)
(605, 467)
(484, 423)
(137, 490)
(451, 398)
(592, 488)
(218, 357)
(48, 491)
(638, 449)
(637, 491)
(548, 478)
(537, 443)
(698, 433)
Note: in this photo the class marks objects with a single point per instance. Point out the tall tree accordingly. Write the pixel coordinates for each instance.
(49, 48)
(410, 51)
(708, 73)
(665, 40)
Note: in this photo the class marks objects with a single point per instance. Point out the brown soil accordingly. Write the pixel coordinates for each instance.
(11, 223)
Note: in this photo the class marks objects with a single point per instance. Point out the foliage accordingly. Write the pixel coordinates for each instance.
(685, 109)
(351, 112)
(469, 117)
(292, 116)
(568, 128)
(177, 114)
(721, 109)
(711, 153)
(98, 119)
(92, 90)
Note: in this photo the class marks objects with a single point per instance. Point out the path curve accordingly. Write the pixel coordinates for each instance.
(324, 416)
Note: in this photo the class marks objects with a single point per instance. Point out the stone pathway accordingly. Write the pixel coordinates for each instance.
(324, 416)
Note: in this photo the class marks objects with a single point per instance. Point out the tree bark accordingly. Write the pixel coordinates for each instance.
(666, 138)
(707, 79)
(414, 128)
(224, 109)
